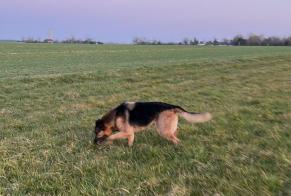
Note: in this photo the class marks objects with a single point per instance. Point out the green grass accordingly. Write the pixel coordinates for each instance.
(51, 95)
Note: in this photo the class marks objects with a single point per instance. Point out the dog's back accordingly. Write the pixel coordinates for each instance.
(142, 113)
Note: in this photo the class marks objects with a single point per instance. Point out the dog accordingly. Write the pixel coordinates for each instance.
(131, 117)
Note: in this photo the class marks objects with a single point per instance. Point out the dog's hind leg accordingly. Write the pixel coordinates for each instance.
(174, 139)
(167, 123)
(130, 139)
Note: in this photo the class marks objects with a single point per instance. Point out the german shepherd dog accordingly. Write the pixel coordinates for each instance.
(131, 117)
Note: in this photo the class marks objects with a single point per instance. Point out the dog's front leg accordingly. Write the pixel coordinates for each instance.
(122, 135)
(119, 135)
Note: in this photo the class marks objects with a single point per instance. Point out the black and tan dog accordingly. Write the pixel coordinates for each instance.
(131, 117)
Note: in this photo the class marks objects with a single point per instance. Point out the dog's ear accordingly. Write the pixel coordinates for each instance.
(99, 125)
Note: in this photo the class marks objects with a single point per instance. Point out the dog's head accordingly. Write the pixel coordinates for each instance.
(101, 131)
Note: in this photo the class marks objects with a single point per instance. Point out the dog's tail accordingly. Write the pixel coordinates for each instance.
(192, 116)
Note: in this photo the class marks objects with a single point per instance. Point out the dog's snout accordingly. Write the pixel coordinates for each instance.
(99, 140)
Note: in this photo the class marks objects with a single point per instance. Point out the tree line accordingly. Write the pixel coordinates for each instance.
(238, 40)
(66, 41)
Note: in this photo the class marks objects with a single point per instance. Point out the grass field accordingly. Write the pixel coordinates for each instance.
(52, 94)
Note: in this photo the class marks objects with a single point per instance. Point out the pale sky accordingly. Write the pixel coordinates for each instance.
(122, 20)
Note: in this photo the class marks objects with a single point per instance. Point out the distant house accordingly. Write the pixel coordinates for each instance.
(48, 41)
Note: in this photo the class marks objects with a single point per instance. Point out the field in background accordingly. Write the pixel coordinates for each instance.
(51, 95)
(34, 60)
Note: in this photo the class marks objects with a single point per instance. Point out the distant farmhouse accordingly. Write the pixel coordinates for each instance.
(49, 40)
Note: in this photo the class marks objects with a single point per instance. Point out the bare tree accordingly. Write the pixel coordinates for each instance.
(255, 40)
(239, 40)
(186, 41)
(287, 41)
